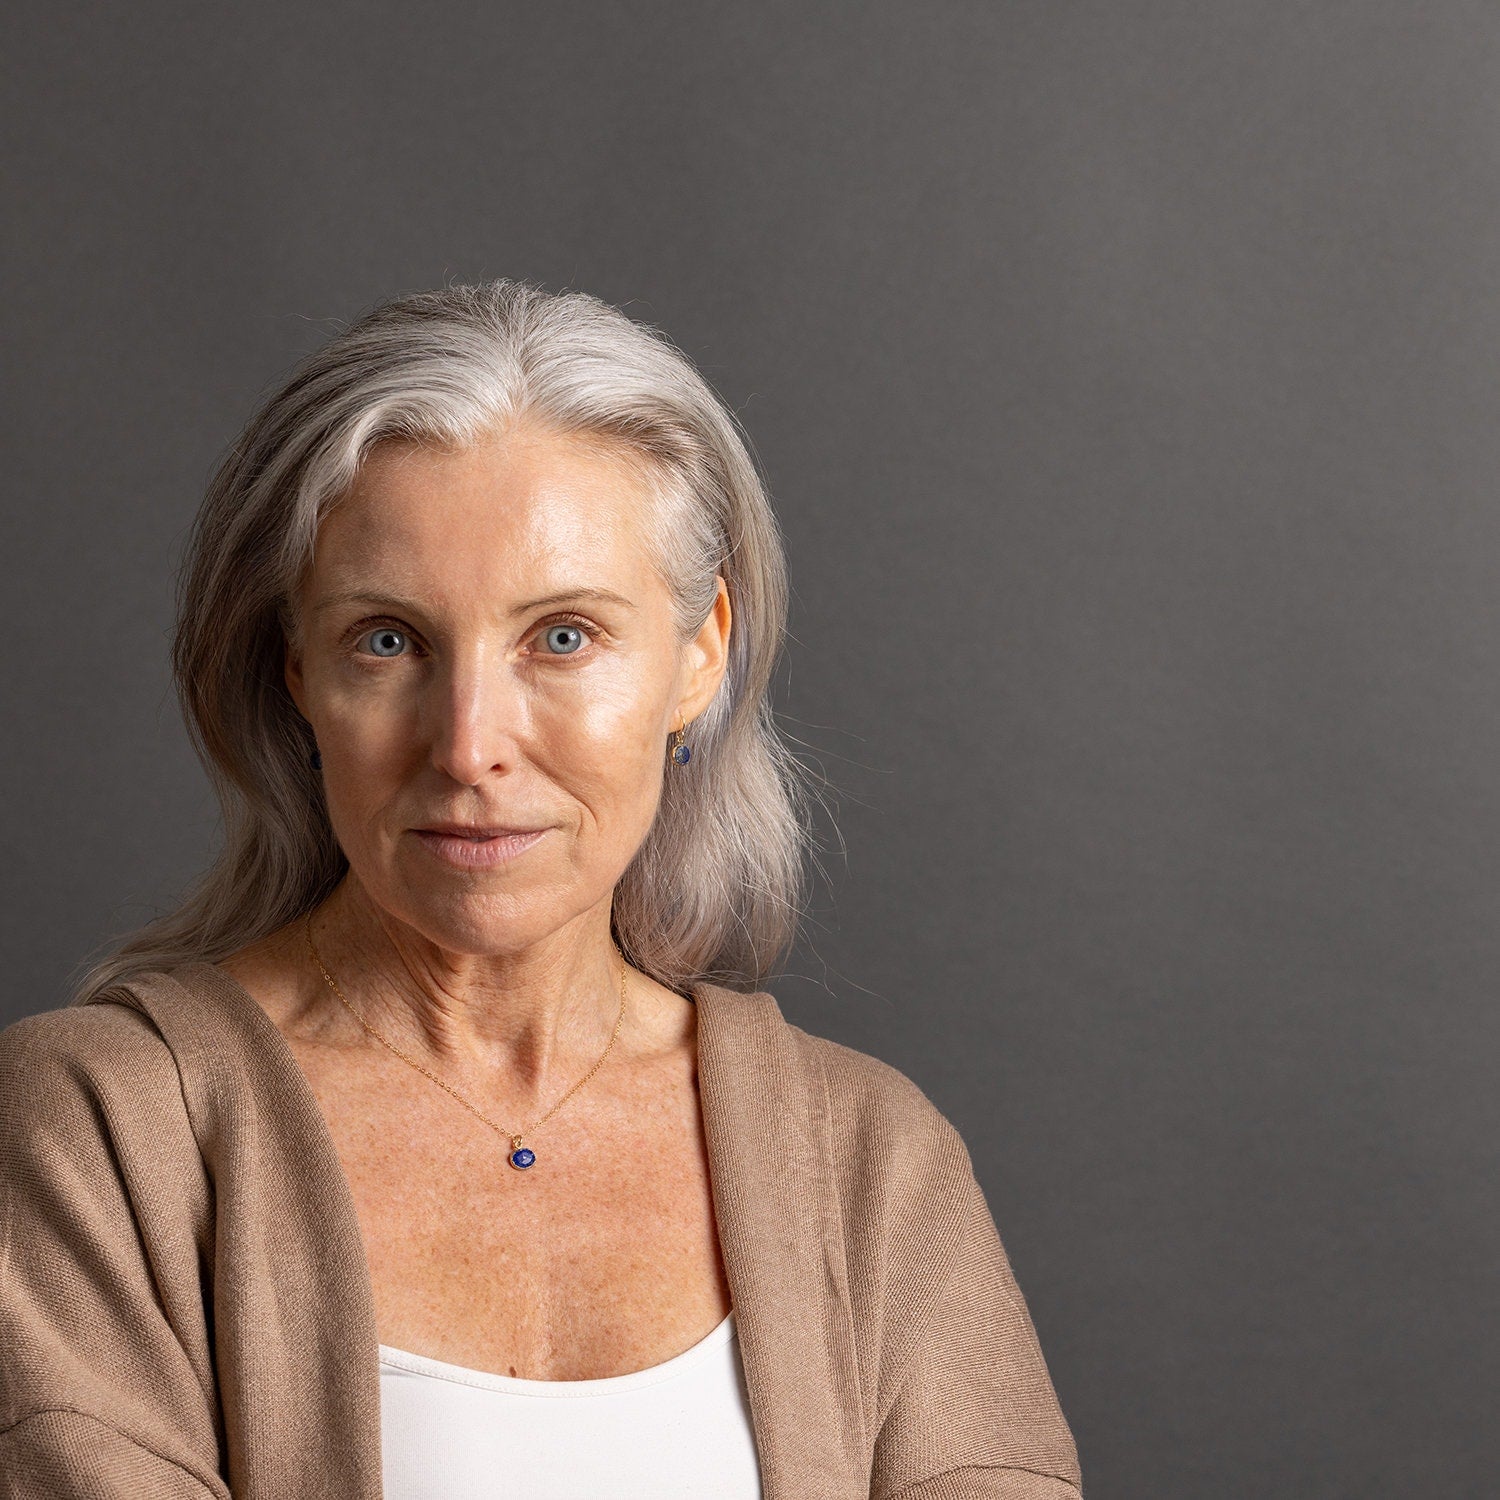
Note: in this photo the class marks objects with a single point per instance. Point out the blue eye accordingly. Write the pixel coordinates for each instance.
(384, 637)
(566, 631)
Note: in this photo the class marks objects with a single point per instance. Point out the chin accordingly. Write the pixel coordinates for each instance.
(475, 922)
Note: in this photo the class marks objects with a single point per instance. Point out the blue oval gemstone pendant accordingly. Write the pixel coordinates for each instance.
(522, 1156)
(681, 754)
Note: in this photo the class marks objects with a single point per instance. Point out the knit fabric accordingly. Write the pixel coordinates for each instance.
(186, 1309)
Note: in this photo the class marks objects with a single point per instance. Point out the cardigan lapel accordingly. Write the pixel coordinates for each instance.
(765, 1113)
(295, 1339)
(292, 1292)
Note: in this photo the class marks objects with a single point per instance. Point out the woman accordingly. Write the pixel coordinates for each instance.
(448, 1097)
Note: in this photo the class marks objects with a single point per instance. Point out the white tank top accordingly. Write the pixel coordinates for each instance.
(677, 1429)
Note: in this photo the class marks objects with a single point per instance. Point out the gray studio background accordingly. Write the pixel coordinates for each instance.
(1125, 376)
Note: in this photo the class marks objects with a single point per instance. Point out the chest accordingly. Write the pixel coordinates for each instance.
(600, 1259)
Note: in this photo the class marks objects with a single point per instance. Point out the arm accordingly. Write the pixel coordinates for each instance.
(69, 1455)
(106, 1380)
(975, 1416)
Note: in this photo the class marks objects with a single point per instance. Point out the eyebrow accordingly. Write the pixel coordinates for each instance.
(410, 606)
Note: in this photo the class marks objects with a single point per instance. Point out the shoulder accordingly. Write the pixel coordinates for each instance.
(900, 1166)
(97, 1069)
(97, 1144)
(875, 1099)
(80, 1038)
(890, 1149)
(902, 1186)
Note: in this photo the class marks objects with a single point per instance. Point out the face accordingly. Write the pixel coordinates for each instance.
(485, 642)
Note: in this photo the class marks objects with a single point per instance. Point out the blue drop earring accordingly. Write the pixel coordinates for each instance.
(681, 755)
(317, 759)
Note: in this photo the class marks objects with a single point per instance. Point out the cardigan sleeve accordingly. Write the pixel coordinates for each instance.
(975, 1416)
(106, 1380)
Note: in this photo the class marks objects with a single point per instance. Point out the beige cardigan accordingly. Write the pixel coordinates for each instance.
(186, 1309)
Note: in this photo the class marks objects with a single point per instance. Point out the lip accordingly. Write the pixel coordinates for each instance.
(476, 830)
(477, 853)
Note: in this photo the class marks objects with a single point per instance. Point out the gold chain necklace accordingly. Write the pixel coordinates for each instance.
(520, 1156)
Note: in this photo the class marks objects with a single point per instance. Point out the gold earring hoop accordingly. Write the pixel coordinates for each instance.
(681, 755)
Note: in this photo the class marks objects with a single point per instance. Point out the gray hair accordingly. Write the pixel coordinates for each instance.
(718, 886)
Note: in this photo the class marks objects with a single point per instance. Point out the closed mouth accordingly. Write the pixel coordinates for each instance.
(478, 835)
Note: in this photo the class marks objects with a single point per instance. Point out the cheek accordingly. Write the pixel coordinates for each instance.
(601, 750)
(622, 716)
(371, 749)
(374, 725)
(376, 741)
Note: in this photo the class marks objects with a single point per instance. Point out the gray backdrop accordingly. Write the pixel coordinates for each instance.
(1125, 375)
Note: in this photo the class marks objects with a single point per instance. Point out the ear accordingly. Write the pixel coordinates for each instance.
(291, 671)
(708, 655)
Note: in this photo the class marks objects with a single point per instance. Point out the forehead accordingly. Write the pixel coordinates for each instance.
(514, 508)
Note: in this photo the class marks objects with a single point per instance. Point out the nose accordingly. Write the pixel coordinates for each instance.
(474, 711)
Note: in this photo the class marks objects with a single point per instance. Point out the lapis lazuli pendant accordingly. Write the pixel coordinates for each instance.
(681, 754)
(522, 1156)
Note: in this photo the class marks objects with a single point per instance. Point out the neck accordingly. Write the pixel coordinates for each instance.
(528, 1015)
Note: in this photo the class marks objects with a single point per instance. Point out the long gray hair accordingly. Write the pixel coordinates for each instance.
(718, 886)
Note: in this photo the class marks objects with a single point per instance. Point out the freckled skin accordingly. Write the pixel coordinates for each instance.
(460, 705)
